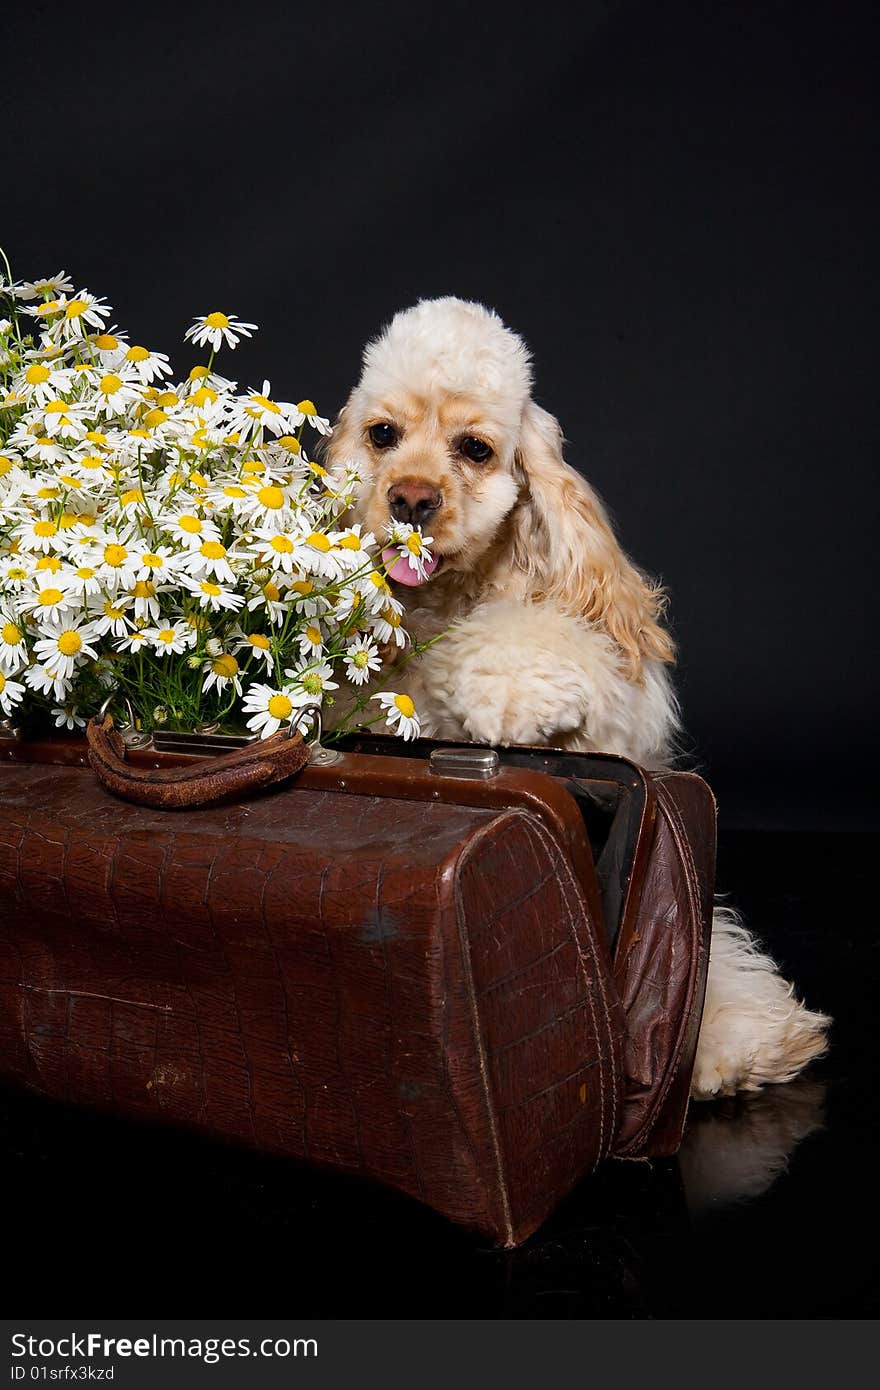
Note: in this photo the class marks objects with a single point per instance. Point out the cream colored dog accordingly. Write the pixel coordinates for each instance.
(554, 635)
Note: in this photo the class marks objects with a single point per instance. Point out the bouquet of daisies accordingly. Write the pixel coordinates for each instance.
(169, 544)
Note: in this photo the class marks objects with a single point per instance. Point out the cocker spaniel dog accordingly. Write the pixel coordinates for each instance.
(553, 636)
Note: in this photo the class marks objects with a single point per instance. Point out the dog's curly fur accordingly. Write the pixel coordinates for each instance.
(553, 634)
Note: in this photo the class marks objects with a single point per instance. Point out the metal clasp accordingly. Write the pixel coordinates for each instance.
(474, 764)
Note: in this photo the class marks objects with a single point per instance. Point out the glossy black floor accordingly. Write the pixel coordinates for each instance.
(768, 1212)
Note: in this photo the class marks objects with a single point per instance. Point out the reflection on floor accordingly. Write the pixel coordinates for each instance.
(765, 1212)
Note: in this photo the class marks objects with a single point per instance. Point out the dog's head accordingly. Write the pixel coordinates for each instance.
(446, 436)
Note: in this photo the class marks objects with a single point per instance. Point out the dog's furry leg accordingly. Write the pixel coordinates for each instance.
(527, 673)
(754, 1031)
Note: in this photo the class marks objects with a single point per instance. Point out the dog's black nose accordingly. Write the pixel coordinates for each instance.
(413, 501)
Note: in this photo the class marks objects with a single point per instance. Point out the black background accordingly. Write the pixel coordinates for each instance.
(674, 203)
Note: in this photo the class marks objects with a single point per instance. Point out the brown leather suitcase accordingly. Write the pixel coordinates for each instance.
(471, 975)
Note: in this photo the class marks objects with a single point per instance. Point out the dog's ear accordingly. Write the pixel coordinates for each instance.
(564, 540)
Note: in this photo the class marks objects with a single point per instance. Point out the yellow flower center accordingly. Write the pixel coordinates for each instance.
(198, 479)
(391, 618)
(360, 659)
(166, 398)
(36, 374)
(2, 682)
(283, 544)
(97, 437)
(307, 408)
(114, 555)
(133, 494)
(225, 665)
(106, 342)
(212, 589)
(290, 443)
(167, 635)
(349, 543)
(111, 611)
(85, 573)
(303, 586)
(252, 466)
(378, 581)
(312, 683)
(280, 706)
(75, 308)
(67, 519)
(314, 635)
(257, 639)
(190, 524)
(16, 572)
(11, 634)
(50, 307)
(136, 354)
(234, 492)
(202, 396)
(271, 498)
(414, 544)
(45, 528)
(212, 550)
(66, 479)
(46, 493)
(266, 404)
(217, 320)
(49, 597)
(144, 589)
(318, 542)
(154, 418)
(91, 461)
(5, 465)
(154, 561)
(49, 562)
(405, 705)
(69, 643)
(109, 384)
(318, 470)
(272, 592)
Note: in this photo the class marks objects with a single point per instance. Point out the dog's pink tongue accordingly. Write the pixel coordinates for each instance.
(402, 572)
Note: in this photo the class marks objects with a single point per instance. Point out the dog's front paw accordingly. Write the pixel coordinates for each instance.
(518, 707)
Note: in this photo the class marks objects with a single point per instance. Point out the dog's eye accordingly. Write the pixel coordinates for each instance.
(383, 436)
(477, 450)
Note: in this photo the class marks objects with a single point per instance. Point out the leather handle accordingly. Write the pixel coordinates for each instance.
(243, 771)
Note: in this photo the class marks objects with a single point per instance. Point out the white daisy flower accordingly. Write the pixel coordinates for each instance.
(82, 313)
(51, 600)
(158, 563)
(311, 641)
(68, 718)
(15, 572)
(413, 553)
(146, 601)
(64, 420)
(46, 449)
(41, 382)
(148, 365)
(400, 713)
(191, 530)
(387, 623)
(306, 599)
(258, 647)
(221, 671)
(210, 559)
(116, 391)
(109, 616)
(53, 285)
(307, 410)
(13, 648)
(310, 681)
(84, 580)
(216, 328)
(39, 536)
(360, 659)
(134, 641)
(213, 596)
(257, 411)
(46, 682)
(269, 598)
(118, 562)
(177, 638)
(62, 646)
(11, 693)
(275, 549)
(269, 709)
